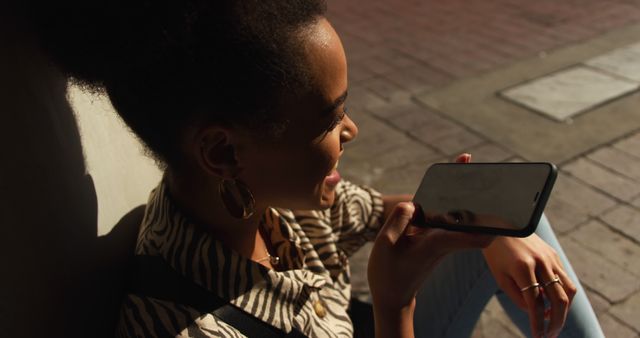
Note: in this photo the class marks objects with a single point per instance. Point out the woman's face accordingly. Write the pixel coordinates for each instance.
(291, 172)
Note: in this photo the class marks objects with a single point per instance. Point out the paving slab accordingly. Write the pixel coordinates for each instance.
(376, 135)
(462, 140)
(600, 304)
(361, 172)
(618, 161)
(474, 103)
(374, 139)
(636, 202)
(380, 148)
(489, 152)
(418, 79)
(605, 180)
(580, 196)
(358, 167)
(630, 145)
(617, 249)
(613, 327)
(563, 216)
(623, 62)
(361, 163)
(405, 179)
(628, 311)
(437, 128)
(359, 74)
(613, 282)
(415, 118)
(452, 57)
(568, 92)
(387, 89)
(363, 98)
(572, 203)
(391, 111)
(409, 153)
(625, 219)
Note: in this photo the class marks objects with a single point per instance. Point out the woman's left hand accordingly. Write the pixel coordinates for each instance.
(517, 263)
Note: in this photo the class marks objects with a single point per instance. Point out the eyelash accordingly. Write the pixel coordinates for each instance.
(338, 119)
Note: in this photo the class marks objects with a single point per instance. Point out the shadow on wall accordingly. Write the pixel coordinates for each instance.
(59, 278)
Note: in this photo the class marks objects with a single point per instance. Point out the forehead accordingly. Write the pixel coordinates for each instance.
(326, 61)
(325, 65)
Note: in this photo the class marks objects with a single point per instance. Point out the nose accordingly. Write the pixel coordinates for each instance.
(349, 130)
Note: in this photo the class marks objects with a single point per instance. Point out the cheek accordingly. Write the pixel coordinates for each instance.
(319, 163)
(305, 172)
(279, 175)
(291, 174)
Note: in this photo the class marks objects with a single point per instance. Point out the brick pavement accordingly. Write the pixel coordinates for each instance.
(399, 49)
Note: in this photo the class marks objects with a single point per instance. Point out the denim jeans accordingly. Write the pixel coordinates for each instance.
(451, 300)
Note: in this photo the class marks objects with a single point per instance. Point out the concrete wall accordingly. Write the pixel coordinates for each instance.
(115, 159)
(71, 176)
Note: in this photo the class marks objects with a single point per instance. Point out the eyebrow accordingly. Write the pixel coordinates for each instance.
(340, 100)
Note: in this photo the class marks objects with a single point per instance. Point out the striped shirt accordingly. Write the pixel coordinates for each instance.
(309, 292)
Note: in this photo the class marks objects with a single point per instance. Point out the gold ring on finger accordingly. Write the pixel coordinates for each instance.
(534, 285)
(555, 280)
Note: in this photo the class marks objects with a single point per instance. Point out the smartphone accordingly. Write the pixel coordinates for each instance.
(498, 198)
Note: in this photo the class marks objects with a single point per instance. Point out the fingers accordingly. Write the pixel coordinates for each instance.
(406, 213)
(397, 222)
(532, 297)
(567, 284)
(512, 290)
(463, 158)
(448, 241)
(558, 300)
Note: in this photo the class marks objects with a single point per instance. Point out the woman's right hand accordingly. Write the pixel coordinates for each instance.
(402, 257)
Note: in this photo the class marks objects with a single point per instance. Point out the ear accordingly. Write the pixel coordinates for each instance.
(216, 152)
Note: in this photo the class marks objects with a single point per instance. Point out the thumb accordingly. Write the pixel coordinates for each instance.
(397, 222)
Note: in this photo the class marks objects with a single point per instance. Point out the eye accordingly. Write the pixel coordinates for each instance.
(338, 119)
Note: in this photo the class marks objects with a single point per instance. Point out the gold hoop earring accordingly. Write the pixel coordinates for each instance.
(237, 198)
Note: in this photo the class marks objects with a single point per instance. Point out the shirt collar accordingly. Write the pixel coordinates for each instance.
(197, 255)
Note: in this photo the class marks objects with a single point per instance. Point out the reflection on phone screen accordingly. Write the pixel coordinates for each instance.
(500, 196)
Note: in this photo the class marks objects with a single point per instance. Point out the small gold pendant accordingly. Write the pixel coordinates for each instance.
(319, 309)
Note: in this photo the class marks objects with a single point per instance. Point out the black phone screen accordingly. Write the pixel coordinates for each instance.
(505, 196)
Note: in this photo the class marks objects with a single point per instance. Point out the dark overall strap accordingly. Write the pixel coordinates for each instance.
(153, 277)
(361, 315)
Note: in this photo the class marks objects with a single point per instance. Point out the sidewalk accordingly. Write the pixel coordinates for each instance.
(424, 83)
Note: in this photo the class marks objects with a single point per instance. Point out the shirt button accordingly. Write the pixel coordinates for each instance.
(318, 307)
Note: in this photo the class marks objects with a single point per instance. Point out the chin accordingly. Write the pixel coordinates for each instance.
(321, 199)
(314, 202)
(327, 199)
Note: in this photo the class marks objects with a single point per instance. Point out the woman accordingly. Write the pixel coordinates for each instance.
(243, 103)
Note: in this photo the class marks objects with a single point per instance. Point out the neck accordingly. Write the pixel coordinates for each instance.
(198, 198)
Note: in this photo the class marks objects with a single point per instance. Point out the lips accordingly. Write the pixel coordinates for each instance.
(333, 177)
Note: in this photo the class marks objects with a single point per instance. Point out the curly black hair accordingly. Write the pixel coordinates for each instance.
(166, 64)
